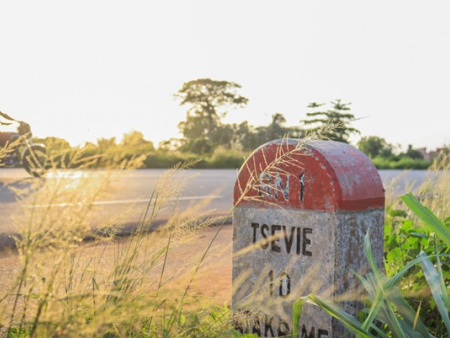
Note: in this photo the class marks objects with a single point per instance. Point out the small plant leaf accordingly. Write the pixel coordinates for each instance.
(348, 320)
(296, 312)
(237, 334)
(430, 219)
(445, 293)
(434, 281)
(416, 318)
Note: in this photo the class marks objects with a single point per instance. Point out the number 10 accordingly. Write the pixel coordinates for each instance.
(284, 289)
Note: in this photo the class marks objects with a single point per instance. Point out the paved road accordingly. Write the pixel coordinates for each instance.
(125, 193)
(129, 191)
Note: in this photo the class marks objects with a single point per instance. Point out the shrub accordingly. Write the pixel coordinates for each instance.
(401, 163)
(399, 304)
(226, 159)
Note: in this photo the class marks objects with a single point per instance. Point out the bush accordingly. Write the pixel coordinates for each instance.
(400, 163)
(413, 299)
(166, 159)
(226, 159)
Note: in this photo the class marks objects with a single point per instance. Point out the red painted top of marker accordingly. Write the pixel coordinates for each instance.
(313, 175)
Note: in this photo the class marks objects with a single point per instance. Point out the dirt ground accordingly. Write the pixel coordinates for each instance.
(212, 282)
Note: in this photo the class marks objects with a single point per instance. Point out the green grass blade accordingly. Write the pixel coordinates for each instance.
(445, 293)
(296, 312)
(428, 217)
(434, 281)
(393, 321)
(237, 334)
(376, 285)
(365, 281)
(380, 291)
(394, 280)
(410, 317)
(370, 257)
(348, 320)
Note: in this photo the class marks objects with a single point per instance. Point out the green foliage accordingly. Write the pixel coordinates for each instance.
(382, 155)
(53, 144)
(335, 117)
(209, 101)
(414, 154)
(226, 159)
(168, 159)
(203, 131)
(400, 303)
(400, 163)
(199, 146)
(404, 241)
(374, 146)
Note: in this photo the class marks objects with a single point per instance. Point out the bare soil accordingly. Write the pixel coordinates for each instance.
(212, 282)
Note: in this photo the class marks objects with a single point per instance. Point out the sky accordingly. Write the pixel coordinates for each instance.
(88, 69)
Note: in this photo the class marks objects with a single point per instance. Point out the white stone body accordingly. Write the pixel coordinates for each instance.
(283, 254)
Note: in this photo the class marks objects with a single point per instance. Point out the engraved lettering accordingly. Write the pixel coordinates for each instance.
(261, 324)
(282, 238)
(271, 282)
(275, 238)
(312, 332)
(322, 333)
(284, 288)
(301, 179)
(265, 243)
(256, 326)
(285, 285)
(279, 186)
(306, 241)
(299, 235)
(268, 326)
(288, 239)
(254, 226)
(265, 185)
(283, 328)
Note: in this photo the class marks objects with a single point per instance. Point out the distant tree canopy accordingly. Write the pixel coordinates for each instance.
(209, 101)
(413, 153)
(374, 146)
(337, 118)
(53, 143)
(136, 138)
(106, 143)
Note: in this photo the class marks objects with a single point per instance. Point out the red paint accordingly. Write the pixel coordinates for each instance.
(336, 176)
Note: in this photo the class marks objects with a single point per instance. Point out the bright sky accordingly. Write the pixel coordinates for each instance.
(87, 69)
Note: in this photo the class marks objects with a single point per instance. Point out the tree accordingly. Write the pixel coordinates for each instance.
(53, 143)
(106, 143)
(375, 146)
(336, 118)
(275, 129)
(135, 138)
(209, 101)
(413, 153)
(136, 143)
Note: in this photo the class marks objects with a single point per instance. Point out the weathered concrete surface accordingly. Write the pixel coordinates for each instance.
(299, 225)
(318, 251)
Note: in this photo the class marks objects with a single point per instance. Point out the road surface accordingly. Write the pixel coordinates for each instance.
(123, 193)
(128, 192)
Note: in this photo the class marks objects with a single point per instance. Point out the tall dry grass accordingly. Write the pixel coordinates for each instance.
(108, 286)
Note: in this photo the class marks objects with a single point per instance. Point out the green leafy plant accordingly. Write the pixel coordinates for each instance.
(388, 312)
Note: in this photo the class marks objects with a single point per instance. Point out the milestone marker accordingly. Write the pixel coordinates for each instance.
(301, 213)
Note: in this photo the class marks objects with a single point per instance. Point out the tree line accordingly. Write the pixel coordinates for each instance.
(210, 142)
(209, 101)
